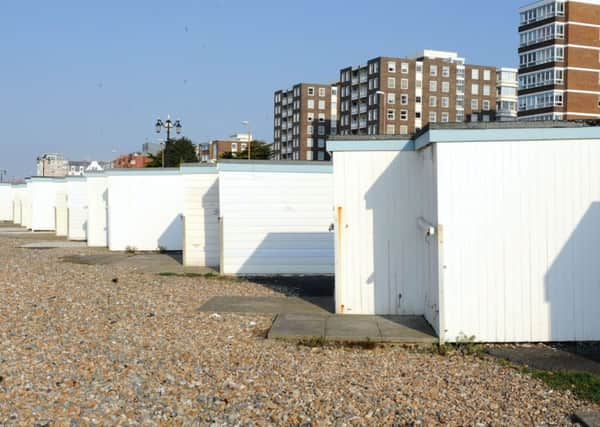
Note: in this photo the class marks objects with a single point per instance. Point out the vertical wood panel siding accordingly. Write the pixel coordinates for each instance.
(522, 238)
(26, 206)
(43, 199)
(97, 202)
(77, 209)
(276, 222)
(201, 219)
(380, 269)
(17, 205)
(6, 202)
(144, 212)
(61, 209)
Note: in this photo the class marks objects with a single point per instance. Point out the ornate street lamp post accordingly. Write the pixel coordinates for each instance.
(168, 125)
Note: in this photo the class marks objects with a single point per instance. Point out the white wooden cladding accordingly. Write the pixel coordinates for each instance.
(521, 239)
(276, 222)
(76, 209)
(516, 237)
(6, 202)
(25, 206)
(97, 203)
(201, 219)
(378, 198)
(61, 212)
(43, 198)
(144, 211)
(17, 205)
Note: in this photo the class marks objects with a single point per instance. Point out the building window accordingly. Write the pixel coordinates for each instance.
(403, 115)
(486, 90)
(403, 130)
(404, 84)
(309, 142)
(321, 104)
(433, 70)
(391, 82)
(432, 117)
(474, 89)
(485, 118)
(311, 91)
(433, 101)
(432, 86)
(321, 155)
(460, 116)
(234, 147)
(417, 99)
(391, 114)
(404, 68)
(445, 102)
(446, 87)
(486, 105)
(321, 117)
(321, 91)
(487, 75)
(321, 130)
(404, 99)
(321, 143)
(309, 155)
(390, 129)
(475, 74)
(310, 130)
(474, 104)
(391, 98)
(445, 71)
(417, 114)
(445, 117)
(310, 104)
(334, 91)
(474, 117)
(310, 117)
(391, 67)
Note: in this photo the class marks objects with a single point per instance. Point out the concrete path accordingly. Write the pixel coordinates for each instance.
(309, 319)
(588, 419)
(54, 244)
(546, 358)
(148, 262)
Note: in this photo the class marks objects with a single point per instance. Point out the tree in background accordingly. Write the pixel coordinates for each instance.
(178, 151)
(259, 150)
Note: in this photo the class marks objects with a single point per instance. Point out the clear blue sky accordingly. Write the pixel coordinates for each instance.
(84, 80)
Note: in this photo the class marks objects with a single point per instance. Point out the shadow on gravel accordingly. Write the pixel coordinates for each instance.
(317, 290)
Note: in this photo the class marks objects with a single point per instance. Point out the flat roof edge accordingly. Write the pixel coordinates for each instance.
(371, 145)
(289, 166)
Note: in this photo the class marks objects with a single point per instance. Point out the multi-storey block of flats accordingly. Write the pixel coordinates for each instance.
(559, 62)
(400, 96)
(304, 116)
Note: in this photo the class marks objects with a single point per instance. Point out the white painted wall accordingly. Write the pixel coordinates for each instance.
(6, 202)
(42, 193)
(201, 216)
(97, 202)
(521, 225)
(26, 206)
(61, 212)
(378, 197)
(276, 222)
(18, 191)
(144, 210)
(77, 210)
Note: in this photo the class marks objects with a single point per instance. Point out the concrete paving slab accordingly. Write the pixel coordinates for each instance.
(54, 244)
(261, 305)
(546, 358)
(413, 329)
(352, 328)
(588, 419)
(298, 326)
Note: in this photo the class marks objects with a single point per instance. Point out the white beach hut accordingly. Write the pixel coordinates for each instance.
(42, 194)
(200, 215)
(144, 209)
(60, 209)
(25, 199)
(275, 217)
(97, 202)
(76, 208)
(6, 202)
(488, 230)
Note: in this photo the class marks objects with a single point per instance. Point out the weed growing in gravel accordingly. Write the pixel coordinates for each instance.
(312, 342)
(582, 384)
(131, 249)
(463, 345)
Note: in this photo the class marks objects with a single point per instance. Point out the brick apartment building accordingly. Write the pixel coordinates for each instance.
(559, 62)
(217, 148)
(131, 161)
(400, 96)
(303, 117)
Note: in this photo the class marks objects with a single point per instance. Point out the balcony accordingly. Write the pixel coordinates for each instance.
(362, 124)
(354, 95)
(354, 110)
(354, 125)
(363, 108)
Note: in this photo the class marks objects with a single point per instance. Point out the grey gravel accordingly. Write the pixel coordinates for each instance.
(76, 348)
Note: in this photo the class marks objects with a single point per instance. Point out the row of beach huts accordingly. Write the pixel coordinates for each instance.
(490, 231)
